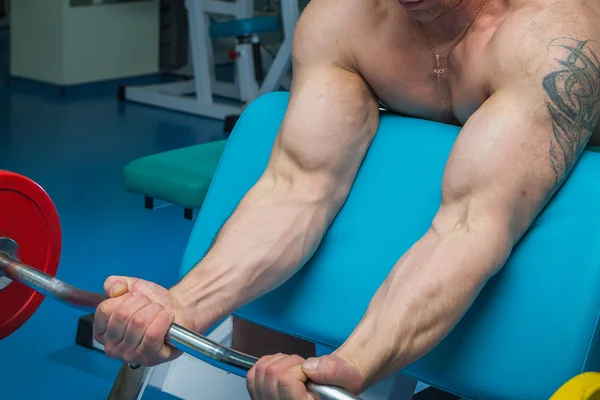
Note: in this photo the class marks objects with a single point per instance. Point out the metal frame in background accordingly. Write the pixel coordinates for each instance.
(196, 96)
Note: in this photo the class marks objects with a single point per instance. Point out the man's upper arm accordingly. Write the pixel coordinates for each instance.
(332, 114)
(521, 145)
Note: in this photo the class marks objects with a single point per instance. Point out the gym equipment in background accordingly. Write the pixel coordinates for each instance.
(197, 96)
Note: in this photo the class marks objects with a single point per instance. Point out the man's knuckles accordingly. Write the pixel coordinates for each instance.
(290, 379)
(121, 316)
(261, 365)
(111, 351)
(283, 366)
(155, 333)
(144, 317)
(273, 371)
(140, 320)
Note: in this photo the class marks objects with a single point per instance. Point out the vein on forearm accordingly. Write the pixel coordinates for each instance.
(273, 232)
(426, 294)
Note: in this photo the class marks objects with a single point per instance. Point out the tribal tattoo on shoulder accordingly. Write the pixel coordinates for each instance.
(573, 102)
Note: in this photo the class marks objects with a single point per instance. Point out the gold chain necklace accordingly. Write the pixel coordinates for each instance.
(438, 69)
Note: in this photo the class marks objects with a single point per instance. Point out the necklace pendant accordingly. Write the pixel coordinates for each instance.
(439, 72)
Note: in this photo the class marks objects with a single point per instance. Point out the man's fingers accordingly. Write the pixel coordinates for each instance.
(138, 324)
(133, 322)
(116, 286)
(292, 384)
(153, 345)
(277, 377)
(103, 313)
(252, 378)
(277, 368)
(261, 370)
(119, 320)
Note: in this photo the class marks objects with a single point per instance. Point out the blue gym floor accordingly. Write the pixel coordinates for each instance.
(76, 147)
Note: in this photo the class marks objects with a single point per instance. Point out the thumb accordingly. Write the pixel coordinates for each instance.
(116, 286)
(333, 370)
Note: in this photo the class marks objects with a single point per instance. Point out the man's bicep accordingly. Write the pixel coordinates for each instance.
(499, 167)
(518, 149)
(332, 114)
(330, 122)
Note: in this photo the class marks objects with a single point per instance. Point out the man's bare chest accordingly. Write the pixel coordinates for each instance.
(414, 84)
(416, 89)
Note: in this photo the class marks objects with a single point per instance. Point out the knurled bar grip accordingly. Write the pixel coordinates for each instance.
(179, 337)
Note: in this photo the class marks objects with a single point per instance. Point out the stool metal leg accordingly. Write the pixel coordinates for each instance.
(148, 203)
(130, 383)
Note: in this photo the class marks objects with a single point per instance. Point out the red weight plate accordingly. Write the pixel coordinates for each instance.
(27, 216)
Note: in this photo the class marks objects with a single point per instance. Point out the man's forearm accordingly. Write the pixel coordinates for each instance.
(271, 234)
(423, 298)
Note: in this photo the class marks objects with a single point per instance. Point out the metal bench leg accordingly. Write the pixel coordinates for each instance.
(130, 383)
(149, 203)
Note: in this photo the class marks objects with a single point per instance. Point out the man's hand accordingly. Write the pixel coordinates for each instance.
(283, 377)
(133, 323)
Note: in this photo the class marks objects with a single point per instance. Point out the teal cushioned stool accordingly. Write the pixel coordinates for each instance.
(533, 327)
(180, 176)
(244, 26)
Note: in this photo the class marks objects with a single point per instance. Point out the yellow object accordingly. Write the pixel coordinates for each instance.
(582, 387)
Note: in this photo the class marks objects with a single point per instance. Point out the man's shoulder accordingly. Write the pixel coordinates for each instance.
(344, 29)
(535, 22)
(536, 34)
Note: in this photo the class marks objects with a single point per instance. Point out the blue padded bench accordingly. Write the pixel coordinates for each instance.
(533, 327)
